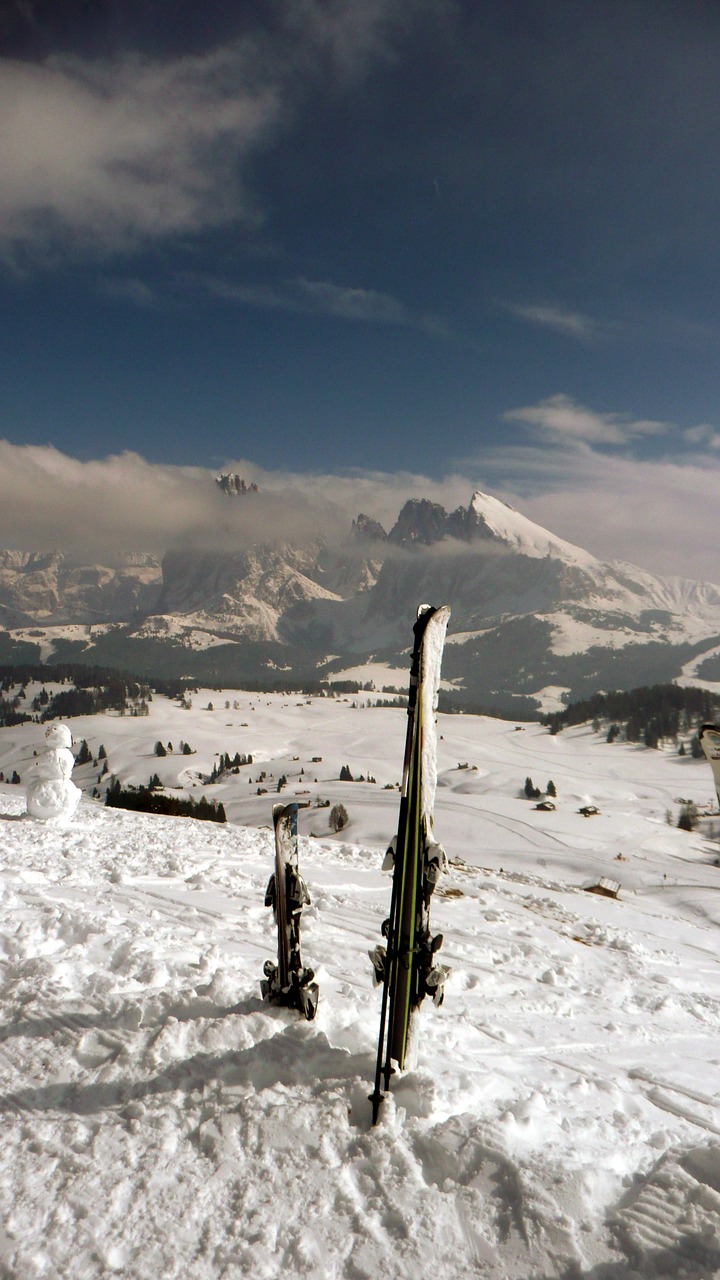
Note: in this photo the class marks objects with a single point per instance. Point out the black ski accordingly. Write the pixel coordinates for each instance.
(287, 982)
(406, 966)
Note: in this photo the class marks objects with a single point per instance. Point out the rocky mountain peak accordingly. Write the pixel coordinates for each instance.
(420, 523)
(368, 530)
(230, 482)
(489, 517)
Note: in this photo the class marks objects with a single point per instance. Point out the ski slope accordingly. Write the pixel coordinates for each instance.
(160, 1121)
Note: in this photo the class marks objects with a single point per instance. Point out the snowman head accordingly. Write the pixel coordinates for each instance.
(58, 735)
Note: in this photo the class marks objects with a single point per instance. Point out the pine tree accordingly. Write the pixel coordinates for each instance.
(689, 816)
(338, 817)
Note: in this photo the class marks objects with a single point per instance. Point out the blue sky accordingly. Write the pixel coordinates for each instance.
(450, 239)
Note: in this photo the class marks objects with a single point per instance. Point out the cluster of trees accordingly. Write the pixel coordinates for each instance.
(230, 764)
(90, 689)
(534, 793)
(83, 676)
(651, 714)
(346, 776)
(453, 702)
(147, 800)
(11, 712)
(84, 702)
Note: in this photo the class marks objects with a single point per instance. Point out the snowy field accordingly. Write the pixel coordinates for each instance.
(160, 1122)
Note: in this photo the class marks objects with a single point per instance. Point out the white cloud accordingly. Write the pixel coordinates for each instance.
(346, 36)
(703, 435)
(123, 503)
(322, 297)
(571, 324)
(562, 419)
(353, 303)
(116, 152)
(130, 289)
(108, 154)
(379, 494)
(658, 514)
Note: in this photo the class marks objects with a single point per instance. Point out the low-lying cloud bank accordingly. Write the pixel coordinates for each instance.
(99, 509)
(660, 515)
(124, 503)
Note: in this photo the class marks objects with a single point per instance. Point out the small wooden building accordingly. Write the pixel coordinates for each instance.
(606, 887)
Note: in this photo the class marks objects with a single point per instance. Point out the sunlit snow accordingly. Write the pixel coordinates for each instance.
(161, 1121)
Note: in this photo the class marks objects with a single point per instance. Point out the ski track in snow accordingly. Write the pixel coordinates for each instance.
(563, 1124)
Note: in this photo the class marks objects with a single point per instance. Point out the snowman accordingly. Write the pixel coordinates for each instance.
(50, 791)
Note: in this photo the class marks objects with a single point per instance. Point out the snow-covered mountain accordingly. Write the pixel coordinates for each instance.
(529, 610)
(54, 588)
(247, 591)
(495, 562)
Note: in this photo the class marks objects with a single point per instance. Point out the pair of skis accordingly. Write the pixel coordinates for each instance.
(288, 982)
(406, 964)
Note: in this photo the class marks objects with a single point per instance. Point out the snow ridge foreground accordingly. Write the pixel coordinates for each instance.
(159, 1121)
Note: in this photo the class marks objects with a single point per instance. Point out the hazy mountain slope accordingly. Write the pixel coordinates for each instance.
(54, 588)
(529, 609)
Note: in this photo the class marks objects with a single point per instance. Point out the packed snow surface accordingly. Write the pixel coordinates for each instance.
(161, 1123)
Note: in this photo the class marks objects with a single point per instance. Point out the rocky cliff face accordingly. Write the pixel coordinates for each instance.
(54, 588)
(420, 523)
(246, 592)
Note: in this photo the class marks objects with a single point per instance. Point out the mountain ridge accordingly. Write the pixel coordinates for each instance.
(530, 610)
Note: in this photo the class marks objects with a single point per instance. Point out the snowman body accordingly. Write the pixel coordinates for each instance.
(50, 791)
